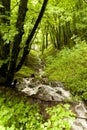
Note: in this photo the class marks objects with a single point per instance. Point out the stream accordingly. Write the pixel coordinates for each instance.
(54, 92)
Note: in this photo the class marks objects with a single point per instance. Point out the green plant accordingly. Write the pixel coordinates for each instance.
(59, 118)
(16, 113)
(25, 71)
(71, 68)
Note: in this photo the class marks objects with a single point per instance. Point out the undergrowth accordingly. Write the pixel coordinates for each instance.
(25, 71)
(30, 66)
(16, 113)
(70, 67)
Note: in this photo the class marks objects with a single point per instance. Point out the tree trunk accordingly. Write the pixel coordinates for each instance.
(17, 40)
(4, 48)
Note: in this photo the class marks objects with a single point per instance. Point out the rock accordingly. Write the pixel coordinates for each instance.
(80, 122)
(21, 86)
(43, 91)
(46, 93)
(64, 93)
(45, 81)
(80, 110)
(56, 84)
(30, 91)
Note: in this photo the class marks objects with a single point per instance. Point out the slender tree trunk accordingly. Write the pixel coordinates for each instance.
(46, 36)
(59, 35)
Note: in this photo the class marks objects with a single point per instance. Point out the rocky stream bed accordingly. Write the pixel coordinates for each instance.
(51, 94)
(48, 94)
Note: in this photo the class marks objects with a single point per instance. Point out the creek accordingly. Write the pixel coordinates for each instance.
(54, 92)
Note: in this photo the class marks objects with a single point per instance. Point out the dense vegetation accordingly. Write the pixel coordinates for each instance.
(59, 39)
(63, 23)
(19, 114)
(71, 68)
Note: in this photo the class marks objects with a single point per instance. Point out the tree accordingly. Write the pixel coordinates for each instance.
(4, 48)
(67, 20)
(11, 63)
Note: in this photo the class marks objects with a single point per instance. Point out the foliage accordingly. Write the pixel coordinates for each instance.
(8, 33)
(16, 113)
(61, 21)
(71, 68)
(60, 116)
(14, 45)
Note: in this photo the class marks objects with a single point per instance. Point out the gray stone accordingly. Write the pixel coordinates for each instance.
(80, 122)
(46, 92)
(56, 84)
(55, 92)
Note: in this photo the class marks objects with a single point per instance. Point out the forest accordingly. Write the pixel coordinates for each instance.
(43, 69)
